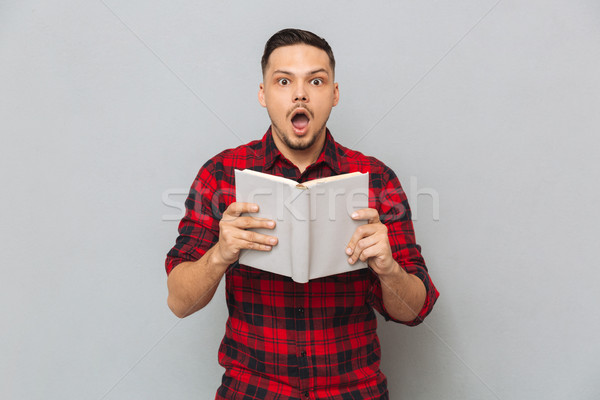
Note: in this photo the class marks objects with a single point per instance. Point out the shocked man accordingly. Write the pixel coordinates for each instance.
(283, 339)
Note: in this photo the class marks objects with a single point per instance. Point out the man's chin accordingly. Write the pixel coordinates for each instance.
(293, 141)
(302, 143)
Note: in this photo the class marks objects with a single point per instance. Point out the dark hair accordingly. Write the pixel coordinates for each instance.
(291, 36)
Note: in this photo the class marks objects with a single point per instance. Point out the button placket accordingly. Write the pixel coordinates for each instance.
(302, 353)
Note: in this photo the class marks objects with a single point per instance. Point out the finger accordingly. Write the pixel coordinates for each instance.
(255, 237)
(237, 208)
(360, 232)
(370, 214)
(244, 244)
(364, 249)
(248, 222)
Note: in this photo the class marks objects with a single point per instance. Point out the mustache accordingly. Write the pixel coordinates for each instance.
(301, 105)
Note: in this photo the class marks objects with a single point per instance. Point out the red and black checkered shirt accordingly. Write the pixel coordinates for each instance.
(288, 340)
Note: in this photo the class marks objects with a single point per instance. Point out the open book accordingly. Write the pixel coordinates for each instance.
(312, 222)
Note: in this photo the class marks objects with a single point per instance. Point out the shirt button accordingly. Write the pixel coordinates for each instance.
(303, 354)
(301, 310)
(306, 394)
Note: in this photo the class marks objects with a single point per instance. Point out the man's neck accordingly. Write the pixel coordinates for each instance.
(302, 158)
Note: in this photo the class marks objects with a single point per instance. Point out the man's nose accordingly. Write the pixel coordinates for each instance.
(300, 94)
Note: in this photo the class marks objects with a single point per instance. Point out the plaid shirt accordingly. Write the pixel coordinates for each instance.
(286, 340)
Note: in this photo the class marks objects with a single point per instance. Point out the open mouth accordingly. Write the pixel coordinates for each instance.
(300, 120)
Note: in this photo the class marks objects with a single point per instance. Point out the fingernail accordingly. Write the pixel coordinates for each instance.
(348, 250)
(354, 215)
(254, 208)
(272, 240)
(271, 223)
(350, 260)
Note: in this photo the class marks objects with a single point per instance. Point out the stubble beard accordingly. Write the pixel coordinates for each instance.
(299, 145)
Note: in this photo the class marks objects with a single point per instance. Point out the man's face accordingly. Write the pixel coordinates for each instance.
(298, 92)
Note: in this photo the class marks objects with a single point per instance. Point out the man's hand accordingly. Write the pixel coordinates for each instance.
(403, 294)
(233, 236)
(193, 283)
(370, 243)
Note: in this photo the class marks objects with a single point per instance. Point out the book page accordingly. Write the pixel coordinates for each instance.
(270, 195)
(269, 176)
(331, 205)
(314, 182)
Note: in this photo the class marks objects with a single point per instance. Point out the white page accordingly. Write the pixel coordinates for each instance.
(332, 227)
(269, 195)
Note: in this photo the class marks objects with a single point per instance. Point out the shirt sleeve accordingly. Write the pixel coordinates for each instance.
(394, 212)
(199, 228)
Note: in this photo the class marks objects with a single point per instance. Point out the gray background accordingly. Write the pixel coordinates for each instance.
(489, 107)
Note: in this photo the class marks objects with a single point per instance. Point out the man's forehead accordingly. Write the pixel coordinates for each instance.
(299, 58)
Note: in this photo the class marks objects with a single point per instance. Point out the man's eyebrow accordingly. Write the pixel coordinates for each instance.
(316, 71)
(280, 71)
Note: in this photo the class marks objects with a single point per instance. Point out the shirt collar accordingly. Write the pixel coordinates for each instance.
(271, 150)
(329, 154)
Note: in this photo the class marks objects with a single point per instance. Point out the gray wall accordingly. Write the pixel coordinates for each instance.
(489, 107)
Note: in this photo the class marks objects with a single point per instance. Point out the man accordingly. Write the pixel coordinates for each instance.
(287, 340)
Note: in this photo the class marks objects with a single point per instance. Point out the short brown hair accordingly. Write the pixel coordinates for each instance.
(291, 36)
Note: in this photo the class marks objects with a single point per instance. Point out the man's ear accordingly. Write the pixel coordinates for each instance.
(336, 94)
(261, 95)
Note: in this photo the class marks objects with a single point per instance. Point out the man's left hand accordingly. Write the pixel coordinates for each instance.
(370, 243)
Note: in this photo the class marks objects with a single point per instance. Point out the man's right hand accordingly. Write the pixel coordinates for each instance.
(233, 236)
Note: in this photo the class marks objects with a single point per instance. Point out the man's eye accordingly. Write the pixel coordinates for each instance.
(317, 81)
(283, 81)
